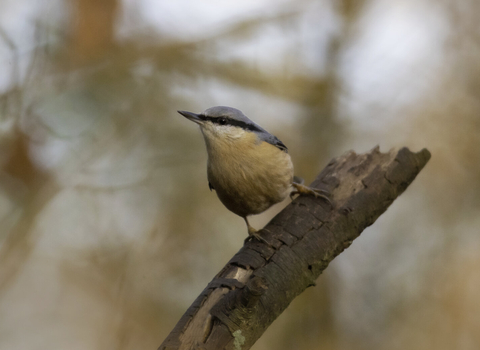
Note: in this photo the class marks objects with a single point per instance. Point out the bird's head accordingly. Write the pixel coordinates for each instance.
(220, 122)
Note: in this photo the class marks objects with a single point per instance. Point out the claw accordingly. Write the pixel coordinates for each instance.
(253, 234)
(256, 236)
(317, 193)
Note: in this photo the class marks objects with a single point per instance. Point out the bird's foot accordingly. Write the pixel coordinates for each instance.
(253, 234)
(308, 191)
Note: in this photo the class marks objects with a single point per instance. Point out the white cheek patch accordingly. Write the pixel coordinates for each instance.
(233, 132)
(228, 131)
(215, 133)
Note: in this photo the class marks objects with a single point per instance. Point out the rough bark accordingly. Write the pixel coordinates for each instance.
(261, 280)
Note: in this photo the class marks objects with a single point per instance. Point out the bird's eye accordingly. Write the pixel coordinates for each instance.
(222, 121)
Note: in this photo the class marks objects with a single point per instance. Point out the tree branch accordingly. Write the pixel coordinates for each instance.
(261, 280)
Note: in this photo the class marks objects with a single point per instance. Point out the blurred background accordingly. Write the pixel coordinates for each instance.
(108, 230)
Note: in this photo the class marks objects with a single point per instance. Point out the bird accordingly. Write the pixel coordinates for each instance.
(249, 168)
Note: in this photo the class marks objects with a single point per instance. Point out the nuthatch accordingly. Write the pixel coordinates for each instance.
(249, 168)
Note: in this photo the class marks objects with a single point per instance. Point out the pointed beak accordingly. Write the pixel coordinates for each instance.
(197, 118)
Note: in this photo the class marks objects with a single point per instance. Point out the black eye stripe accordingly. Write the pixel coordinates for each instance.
(232, 122)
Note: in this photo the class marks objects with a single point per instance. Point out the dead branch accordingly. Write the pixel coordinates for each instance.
(261, 280)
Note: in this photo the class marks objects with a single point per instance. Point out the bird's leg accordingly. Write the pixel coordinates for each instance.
(305, 190)
(252, 233)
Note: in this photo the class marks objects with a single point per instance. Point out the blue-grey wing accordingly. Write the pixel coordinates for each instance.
(279, 144)
(273, 140)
